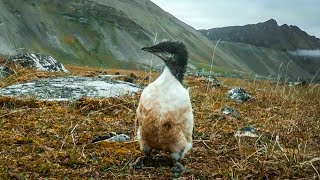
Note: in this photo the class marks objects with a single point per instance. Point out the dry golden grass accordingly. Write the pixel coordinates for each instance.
(52, 139)
(21, 75)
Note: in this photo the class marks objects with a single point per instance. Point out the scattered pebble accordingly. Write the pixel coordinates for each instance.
(214, 82)
(119, 138)
(111, 137)
(246, 132)
(298, 83)
(133, 76)
(128, 79)
(230, 112)
(103, 137)
(239, 95)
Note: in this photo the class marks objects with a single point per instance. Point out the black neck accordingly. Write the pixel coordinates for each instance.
(178, 69)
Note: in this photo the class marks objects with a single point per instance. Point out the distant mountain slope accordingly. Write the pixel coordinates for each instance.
(266, 48)
(95, 33)
(266, 61)
(110, 33)
(267, 34)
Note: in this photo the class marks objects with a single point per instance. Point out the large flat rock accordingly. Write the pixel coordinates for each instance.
(70, 88)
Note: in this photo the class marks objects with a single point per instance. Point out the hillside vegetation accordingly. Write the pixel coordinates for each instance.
(94, 33)
(110, 34)
(52, 140)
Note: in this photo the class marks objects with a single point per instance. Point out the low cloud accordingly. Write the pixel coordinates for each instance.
(306, 53)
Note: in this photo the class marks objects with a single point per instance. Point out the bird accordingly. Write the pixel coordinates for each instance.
(164, 112)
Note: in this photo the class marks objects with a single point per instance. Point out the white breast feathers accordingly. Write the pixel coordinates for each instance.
(165, 115)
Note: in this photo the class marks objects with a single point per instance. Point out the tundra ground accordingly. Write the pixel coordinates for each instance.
(52, 140)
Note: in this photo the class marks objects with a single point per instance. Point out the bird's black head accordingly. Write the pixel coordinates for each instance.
(174, 55)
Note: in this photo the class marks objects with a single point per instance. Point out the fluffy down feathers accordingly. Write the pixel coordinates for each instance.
(165, 116)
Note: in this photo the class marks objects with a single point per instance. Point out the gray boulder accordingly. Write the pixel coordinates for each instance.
(239, 95)
(70, 88)
(37, 61)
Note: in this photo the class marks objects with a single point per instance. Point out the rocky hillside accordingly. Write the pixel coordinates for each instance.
(266, 34)
(94, 33)
(101, 33)
(266, 46)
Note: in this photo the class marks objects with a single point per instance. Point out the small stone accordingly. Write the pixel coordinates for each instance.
(230, 112)
(103, 137)
(239, 95)
(119, 138)
(214, 82)
(133, 76)
(128, 79)
(297, 83)
(246, 132)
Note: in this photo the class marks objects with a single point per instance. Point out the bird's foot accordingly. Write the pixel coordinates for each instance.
(138, 163)
(177, 168)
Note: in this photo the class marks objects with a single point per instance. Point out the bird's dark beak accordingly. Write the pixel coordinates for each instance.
(148, 49)
(156, 52)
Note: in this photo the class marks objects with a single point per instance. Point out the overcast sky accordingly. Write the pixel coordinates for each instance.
(205, 14)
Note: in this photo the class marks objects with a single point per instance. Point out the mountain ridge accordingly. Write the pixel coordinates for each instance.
(266, 34)
(110, 34)
(84, 32)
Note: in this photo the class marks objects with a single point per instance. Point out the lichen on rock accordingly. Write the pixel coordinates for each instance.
(37, 61)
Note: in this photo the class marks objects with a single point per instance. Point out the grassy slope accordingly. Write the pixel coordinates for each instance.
(50, 139)
(163, 25)
(110, 36)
